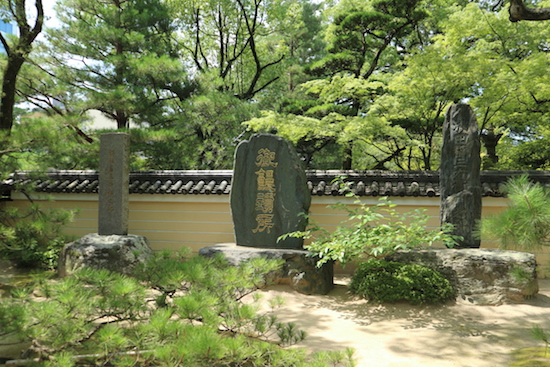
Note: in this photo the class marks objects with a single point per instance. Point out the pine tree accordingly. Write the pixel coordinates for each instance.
(177, 311)
(525, 224)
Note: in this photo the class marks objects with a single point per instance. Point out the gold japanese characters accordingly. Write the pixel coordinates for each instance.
(265, 196)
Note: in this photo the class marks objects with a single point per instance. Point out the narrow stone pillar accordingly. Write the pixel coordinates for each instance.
(459, 176)
(113, 184)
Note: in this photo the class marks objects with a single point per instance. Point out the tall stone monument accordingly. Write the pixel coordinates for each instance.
(112, 248)
(459, 176)
(269, 193)
(114, 175)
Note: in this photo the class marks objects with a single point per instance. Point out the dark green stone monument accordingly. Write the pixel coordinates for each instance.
(269, 193)
(459, 174)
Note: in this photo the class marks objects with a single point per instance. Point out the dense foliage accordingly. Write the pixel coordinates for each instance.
(360, 85)
(457, 52)
(177, 311)
(387, 281)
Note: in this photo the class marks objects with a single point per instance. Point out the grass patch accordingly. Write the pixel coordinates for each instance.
(531, 357)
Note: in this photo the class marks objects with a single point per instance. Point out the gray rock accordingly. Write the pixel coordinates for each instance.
(269, 193)
(299, 269)
(460, 184)
(480, 276)
(114, 252)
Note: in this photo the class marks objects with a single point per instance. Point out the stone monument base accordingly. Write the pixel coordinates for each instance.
(480, 276)
(118, 253)
(299, 269)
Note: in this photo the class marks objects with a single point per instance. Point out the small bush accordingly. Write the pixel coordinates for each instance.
(387, 281)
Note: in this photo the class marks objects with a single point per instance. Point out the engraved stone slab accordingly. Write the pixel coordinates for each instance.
(460, 184)
(269, 193)
(113, 183)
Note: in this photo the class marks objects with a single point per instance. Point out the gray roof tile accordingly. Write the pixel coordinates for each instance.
(320, 183)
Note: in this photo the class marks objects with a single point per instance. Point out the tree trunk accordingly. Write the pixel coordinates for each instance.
(17, 53)
(122, 120)
(348, 160)
(8, 91)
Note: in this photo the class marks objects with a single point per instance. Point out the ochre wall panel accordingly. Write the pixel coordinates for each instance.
(196, 221)
(167, 223)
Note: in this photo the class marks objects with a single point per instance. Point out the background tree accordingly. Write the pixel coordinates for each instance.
(363, 42)
(203, 134)
(475, 56)
(508, 93)
(139, 72)
(417, 99)
(120, 56)
(188, 73)
(17, 50)
(302, 36)
(229, 40)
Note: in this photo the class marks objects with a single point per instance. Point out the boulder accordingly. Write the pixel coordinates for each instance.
(299, 269)
(480, 276)
(119, 253)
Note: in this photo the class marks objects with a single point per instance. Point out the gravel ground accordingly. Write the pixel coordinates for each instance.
(401, 335)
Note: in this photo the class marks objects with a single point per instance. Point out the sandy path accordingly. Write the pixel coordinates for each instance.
(402, 335)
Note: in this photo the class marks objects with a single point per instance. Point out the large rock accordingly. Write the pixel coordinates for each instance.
(299, 269)
(480, 276)
(269, 193)
(119, 253)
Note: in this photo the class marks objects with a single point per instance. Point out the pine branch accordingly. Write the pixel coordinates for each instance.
(24, 362)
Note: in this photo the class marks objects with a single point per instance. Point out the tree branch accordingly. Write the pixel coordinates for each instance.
(5, 44)
(518, 11)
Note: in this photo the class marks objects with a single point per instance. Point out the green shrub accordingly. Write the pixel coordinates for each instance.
(32, 237)
(373, 232)
(387, 281)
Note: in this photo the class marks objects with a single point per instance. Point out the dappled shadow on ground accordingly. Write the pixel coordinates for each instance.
(452, 334)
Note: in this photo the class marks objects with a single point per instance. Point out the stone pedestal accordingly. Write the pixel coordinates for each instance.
(115, 253)
(299, 269)
(480, 276)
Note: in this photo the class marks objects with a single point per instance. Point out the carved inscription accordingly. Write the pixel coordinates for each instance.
(109, 197)
(265, 195)
(460, 137)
